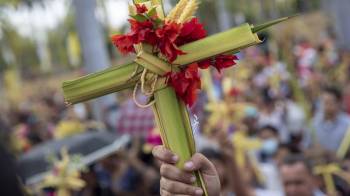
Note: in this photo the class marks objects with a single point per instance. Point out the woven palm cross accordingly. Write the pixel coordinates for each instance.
(148, 72)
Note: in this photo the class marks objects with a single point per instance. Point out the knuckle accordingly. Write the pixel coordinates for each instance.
(190, 190)
(171, 186)
(164, 169)
(163, 182)
(167, 155)
(179, 175)
(161, 153)
(155, 150)
(186, 178)
(198, 156)
(164, 193)
(198, 159)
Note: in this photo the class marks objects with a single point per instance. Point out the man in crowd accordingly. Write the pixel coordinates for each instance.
(330, 123)
(297, 177)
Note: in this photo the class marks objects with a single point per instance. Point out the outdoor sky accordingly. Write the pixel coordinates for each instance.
(41, 18)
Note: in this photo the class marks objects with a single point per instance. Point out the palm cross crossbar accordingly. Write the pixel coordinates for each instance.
(170, 112)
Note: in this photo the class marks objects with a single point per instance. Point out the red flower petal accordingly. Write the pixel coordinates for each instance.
(141, 8)
(191, 31)
(140, 32)
(234, 92)
(224, 61)
(205, 63)
(137, 26)
(186, 83)
(167, 36)
(124, 43)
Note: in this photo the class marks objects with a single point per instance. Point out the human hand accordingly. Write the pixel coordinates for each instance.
(175, 181)
(226, 145)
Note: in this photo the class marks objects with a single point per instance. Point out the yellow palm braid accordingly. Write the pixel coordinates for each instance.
(219, 114)
(326, 172)
(243, 144)
(275, 81)
(68, 128)
(65, 180)
(344, 145)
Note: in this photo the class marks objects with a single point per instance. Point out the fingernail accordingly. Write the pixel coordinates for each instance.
(175, 158)
(199, 192)
(193, 179)
(189, 165)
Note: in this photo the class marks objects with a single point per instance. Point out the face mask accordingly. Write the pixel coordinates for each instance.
(269, 146)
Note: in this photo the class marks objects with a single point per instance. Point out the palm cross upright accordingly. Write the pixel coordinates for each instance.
(153, 63)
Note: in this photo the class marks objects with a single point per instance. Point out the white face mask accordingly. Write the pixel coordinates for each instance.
(269, 146)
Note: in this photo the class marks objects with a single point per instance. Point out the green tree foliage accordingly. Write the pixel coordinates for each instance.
(23, 48)
(57, 41)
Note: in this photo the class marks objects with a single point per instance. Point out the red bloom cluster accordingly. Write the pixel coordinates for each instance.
(191, 31)
(220, 62)
(140, 32)
(186, 83)
(166, 38)
(224, 61)
(141, 8)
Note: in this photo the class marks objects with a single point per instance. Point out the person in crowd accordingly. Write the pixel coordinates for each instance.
(270, 139)
(330, 123)
(297, 177)
(268, 165)
(272, 114)
(220, 162)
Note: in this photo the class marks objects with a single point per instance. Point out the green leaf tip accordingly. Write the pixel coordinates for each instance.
(271, 23)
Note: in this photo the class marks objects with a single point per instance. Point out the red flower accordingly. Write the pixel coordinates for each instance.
(191, 31)
(141, 8)
(205, 63)
(224, 61)
(234, 92)
(186, 83)
(124, 43)
(137, 26)
(140, 32)
(144, 31)
(167, 36)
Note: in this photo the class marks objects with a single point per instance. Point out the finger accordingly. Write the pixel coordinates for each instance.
(200, 162)
(175, 187)
(164, 155)
(173, 173)
(166, 193)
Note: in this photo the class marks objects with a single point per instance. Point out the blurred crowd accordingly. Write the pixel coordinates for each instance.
(268, 125)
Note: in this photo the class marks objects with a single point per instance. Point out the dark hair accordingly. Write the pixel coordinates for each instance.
(297, 158)
(273, 129)
(267, 95)
(211, 153)
(334, 91)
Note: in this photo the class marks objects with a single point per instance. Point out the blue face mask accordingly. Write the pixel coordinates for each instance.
(269, 146)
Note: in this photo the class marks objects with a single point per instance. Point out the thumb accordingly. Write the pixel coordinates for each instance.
(200, 162)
